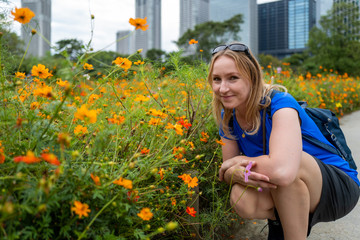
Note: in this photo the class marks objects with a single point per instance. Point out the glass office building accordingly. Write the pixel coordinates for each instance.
(284, 26)
(220, 12)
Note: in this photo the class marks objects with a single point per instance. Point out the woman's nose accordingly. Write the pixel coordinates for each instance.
(223, 87)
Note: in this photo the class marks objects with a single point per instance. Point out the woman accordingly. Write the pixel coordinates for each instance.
(301, 184)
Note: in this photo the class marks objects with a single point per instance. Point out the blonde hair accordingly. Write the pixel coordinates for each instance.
(258, 91)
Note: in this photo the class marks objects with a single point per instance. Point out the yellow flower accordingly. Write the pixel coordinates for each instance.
(23, 15)
(124, 182)
(193, 41)
(139, 23)
(62, 83)
(145, 214)
(40, 71)
(123, 63)
(88, 66)
(83, 113)
(139, 62)
(20, 75)
(81, 209)
(141, 98)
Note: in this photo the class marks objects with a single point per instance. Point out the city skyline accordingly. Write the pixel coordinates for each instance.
(110, 18)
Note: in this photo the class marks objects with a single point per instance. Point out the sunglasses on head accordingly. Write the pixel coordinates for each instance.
(236, 47)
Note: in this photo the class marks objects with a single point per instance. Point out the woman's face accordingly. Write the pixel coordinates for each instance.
(228, 84)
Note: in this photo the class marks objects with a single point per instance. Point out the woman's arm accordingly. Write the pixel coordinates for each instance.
(280, 167)
(232, 170)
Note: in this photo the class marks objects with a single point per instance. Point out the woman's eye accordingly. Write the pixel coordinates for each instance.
(216, 79)
(233, 77)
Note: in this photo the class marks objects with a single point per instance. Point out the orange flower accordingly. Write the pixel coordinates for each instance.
(23, 15)
(193, 182)
(123, 63)
(43, 91)
(173, 201)
(220, 142)
(193, 41)
(145, 214)
(116, 119)
(145, 151)
(83, 113)
(191, 211)
(139, 23)
(139, 62)
(28, 159)
(185, 177)
(20, 75)
(62, 83)
(80, 130)
(161, 173)
(124, 182)
(40, 71)
(50, 158)
(96, 179)
(81, 209)
(2, 156)
(87, 66)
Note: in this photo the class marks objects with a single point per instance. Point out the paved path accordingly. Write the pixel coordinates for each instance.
(346, 228)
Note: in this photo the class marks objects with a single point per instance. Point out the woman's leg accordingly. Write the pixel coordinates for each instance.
(293, 202)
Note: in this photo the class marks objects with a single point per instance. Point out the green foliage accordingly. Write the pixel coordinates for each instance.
(336, 44)
(71, 48)
(210, 34)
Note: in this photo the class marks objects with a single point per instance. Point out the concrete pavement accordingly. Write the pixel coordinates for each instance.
(346, 228)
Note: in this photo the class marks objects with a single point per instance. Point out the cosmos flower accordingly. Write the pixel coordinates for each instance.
(191, 211)
(139, 23)
(23, 15)
(145, 214)
(247, 171)
(81, 209)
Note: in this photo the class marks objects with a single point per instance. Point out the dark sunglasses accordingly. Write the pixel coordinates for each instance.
(236, 47)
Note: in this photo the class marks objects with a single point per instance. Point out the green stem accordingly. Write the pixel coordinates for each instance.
(101, 210)
(23, 57)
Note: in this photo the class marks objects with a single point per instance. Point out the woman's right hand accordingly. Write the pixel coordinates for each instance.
(233, 171)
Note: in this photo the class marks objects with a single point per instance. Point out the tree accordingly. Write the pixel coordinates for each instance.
(72, 48)
(336, 44)
(155, 54)
(211, 34)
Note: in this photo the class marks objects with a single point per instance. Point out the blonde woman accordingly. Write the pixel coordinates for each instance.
(301, 184)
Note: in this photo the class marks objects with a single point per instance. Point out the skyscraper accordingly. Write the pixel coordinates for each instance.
(151, 38)
(284, 26)
(125, 42)
(193, 12)
(42, 23)
(219, 12)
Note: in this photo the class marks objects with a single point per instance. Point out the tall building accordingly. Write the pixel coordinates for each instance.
(284, 26)
(193, 12)
(125, 42)
(42, 23)
(219, 12)
(322, 7)
(151, 38)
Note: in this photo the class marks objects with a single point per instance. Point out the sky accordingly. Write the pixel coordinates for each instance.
(72, 19)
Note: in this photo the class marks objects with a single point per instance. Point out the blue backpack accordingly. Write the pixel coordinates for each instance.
(329, 126)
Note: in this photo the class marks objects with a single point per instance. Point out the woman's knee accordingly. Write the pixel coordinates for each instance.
(251, 204)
